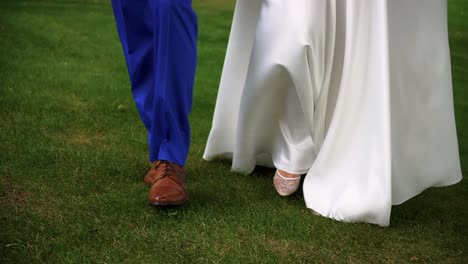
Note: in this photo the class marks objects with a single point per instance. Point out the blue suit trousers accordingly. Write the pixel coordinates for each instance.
(159, 40)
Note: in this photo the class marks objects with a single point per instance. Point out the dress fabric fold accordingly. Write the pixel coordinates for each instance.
(355, 93)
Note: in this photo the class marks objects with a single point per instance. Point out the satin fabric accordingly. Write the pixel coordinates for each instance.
(159, 40)
(356, 93)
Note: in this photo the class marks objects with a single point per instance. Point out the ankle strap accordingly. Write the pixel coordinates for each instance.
(286, 178)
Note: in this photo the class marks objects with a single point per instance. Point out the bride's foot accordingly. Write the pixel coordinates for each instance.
(286, 183)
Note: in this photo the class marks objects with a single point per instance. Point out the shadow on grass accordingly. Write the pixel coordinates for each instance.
(430, 208)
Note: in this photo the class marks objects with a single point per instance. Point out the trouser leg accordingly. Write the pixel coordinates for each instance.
(159, 42)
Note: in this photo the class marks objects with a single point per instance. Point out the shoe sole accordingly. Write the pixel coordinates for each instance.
(159, 204)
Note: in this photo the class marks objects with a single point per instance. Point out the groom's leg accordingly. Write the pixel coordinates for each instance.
(175, 38)
(159, 42)
(134, 25)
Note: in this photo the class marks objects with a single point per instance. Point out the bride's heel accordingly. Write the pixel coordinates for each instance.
(284, 185)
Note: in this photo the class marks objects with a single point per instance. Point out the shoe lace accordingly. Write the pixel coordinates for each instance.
(168, 169)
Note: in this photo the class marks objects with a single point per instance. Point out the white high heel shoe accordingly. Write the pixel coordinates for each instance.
(284, 185)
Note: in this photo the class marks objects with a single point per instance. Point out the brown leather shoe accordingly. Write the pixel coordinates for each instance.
(167, 184)
(152, 173)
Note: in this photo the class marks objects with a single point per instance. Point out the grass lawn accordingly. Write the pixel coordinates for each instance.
(73, 155)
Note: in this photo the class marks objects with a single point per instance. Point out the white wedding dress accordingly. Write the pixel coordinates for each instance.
(355, 93)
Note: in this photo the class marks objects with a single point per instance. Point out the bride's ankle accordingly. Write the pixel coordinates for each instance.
(286, 174)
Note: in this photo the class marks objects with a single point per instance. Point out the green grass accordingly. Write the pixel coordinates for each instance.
(73, 154)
